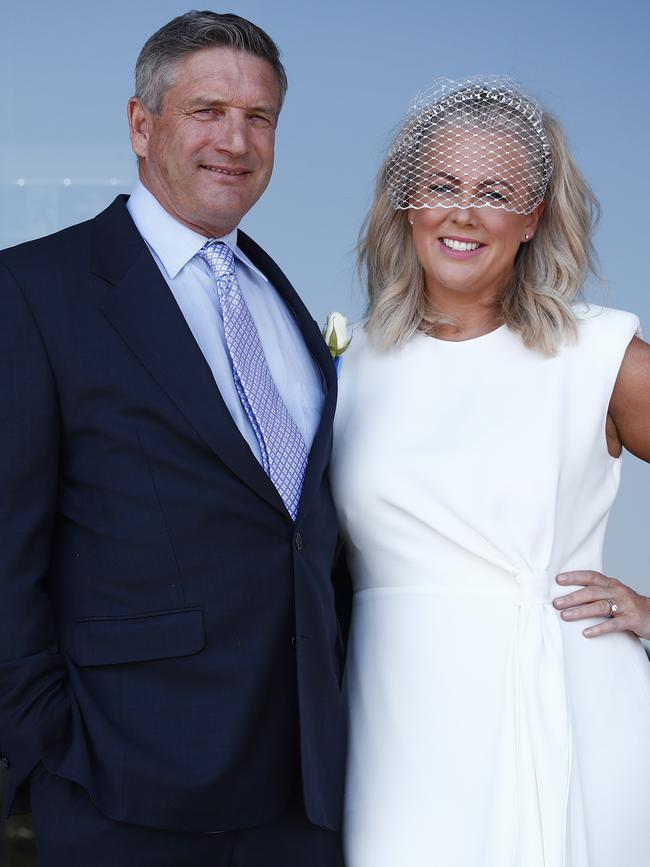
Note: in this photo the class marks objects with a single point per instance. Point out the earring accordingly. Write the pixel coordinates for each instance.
(410, 222)
(526, 236)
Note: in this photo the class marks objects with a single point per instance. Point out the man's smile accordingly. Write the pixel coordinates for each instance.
(233, 173)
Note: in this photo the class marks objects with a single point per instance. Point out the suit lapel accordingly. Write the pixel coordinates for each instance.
(321, 447)
(144, 312)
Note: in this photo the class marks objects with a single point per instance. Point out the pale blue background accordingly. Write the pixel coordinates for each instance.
(353, 66)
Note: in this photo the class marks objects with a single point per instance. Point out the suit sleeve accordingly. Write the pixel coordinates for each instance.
(34, 704)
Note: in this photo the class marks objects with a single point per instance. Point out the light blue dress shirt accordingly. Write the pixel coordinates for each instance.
(296, 374)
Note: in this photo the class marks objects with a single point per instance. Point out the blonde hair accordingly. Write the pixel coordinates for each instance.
(548, 275)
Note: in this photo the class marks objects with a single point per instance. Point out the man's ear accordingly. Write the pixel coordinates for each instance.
(139, 125)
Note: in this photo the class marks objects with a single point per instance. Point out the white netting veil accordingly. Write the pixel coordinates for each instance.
(474, 143)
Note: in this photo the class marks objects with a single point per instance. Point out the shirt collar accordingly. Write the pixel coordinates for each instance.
(173, 243)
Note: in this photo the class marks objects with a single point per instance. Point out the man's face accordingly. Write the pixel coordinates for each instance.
(208, 156)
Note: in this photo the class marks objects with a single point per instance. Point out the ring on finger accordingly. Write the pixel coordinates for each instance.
(613, 608)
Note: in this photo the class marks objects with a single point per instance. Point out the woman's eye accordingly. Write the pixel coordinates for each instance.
(495, 195)
(440, 188)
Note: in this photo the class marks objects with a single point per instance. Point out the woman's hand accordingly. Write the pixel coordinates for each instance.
(623, 608)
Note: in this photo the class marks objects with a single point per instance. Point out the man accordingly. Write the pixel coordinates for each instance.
(169, 656)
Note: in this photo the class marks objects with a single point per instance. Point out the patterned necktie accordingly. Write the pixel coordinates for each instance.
(284, 455)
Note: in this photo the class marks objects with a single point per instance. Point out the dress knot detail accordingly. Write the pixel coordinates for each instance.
(542, 725)
(534, 586)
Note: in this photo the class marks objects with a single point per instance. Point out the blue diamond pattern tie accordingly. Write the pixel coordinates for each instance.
(284, 455)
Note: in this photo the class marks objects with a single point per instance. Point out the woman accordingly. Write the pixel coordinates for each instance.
(481, 417)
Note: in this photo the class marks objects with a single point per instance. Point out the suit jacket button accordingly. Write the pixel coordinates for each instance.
(298, 541)
(4, 762)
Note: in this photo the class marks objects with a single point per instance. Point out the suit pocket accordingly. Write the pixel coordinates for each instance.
(139, 638)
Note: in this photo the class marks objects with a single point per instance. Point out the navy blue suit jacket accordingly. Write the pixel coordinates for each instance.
(167, 633)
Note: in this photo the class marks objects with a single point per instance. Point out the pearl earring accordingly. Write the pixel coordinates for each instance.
(526, 236)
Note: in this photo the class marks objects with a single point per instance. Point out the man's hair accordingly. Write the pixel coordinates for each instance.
(154, 69)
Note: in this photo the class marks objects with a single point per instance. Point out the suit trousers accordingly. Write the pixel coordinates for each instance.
(72, 832)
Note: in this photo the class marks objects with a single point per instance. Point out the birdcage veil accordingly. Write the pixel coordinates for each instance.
(471, 143)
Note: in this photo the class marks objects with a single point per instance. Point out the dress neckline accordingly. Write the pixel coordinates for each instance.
(469, 340)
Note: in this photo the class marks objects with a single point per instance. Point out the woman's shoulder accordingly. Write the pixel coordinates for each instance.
(600, 321)
(364, 366)
(605, 334)
(359, 343)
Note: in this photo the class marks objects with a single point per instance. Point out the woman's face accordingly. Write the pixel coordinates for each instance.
(471, 247)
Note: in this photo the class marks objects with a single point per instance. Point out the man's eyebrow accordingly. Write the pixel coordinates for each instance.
(209, 102)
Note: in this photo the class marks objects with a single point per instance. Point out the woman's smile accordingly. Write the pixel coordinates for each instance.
(460, 248)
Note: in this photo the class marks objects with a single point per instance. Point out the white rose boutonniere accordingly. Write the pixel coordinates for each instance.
(336, 336)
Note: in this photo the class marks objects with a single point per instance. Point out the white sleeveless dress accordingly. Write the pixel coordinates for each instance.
(484, 730)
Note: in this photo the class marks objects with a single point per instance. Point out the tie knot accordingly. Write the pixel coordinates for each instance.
(219, 257)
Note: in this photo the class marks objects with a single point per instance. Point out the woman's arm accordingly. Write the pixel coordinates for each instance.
(628, 425)
(629, 408)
